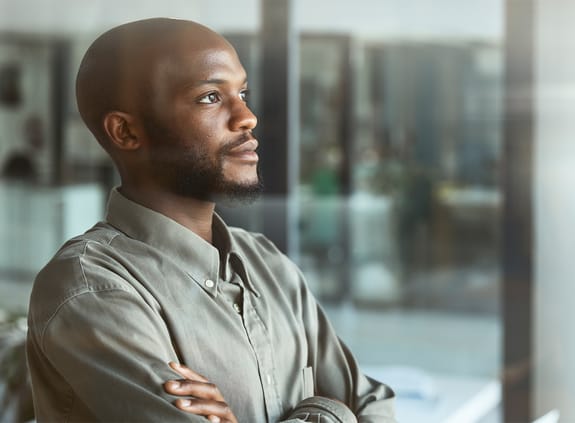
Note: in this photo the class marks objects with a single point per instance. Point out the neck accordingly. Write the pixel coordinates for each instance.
(196, 215)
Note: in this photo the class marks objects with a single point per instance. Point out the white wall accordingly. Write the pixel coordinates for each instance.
(94, 16)
(370, 18)
(555, 208)
(405, 18)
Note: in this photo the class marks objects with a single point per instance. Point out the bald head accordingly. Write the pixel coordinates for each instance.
(117, 72)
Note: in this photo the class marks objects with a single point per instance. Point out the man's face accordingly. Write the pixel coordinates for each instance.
(199, 125)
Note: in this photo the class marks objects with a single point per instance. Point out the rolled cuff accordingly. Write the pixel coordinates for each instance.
(324, 410)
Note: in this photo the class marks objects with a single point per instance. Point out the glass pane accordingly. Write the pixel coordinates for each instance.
(398, 194)
(404, 254)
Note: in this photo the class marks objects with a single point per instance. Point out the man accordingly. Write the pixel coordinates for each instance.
(125, 315)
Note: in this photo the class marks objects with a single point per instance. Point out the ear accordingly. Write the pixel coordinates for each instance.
(121, 130)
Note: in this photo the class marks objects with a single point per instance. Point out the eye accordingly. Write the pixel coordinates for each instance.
(210, 98)
(245, 95)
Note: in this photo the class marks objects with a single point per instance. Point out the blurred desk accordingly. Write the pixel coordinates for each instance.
(35, 221)
(443, 399)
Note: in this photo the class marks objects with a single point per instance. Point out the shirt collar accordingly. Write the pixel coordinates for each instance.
(233, 256)
(197, 257)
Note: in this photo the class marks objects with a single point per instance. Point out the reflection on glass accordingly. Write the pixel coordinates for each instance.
(424, 207)
(408, 250)
(431, 144)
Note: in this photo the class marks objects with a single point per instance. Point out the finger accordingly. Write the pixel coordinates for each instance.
(206, 408)
(216, 419)
(186, 372)
(213, 420)
(192, 388)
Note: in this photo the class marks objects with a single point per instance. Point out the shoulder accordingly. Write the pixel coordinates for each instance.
(86, 264)
(70, 266)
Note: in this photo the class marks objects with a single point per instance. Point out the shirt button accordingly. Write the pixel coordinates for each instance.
(209, 283)
(237, 308)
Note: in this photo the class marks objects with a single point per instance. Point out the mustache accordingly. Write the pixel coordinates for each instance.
(245, 137)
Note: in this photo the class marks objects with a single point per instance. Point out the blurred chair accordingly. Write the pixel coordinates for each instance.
(16, 404)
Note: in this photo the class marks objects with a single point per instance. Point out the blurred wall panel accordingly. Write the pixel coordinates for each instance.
(554, 292)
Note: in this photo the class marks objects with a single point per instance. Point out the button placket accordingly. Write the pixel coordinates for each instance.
(259, 339)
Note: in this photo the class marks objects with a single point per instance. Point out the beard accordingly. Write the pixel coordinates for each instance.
(196, 173)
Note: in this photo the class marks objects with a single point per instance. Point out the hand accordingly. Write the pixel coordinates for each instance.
(206, 397)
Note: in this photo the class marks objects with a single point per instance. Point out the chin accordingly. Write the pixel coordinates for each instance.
(243, 177)
(242, 180)
(237, 193)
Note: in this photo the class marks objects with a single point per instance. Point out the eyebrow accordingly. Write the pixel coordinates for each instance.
(191, 85)
(215, 81)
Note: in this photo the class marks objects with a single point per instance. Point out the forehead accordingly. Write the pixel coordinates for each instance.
(189, 64)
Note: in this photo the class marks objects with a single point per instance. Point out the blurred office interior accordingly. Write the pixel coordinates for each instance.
(416, 158)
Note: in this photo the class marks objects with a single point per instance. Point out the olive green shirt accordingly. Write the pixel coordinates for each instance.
(119, 302)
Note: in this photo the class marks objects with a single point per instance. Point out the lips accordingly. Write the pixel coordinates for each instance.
(247, 146)
(245, 151)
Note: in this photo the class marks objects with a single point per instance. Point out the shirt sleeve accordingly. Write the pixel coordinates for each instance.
(321, 410)
(108, 349)
(337, 375)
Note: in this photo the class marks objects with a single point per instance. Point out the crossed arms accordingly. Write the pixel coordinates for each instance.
(99, 350)
(206, 400)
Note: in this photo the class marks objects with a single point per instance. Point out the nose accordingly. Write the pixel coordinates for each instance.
(242, 118)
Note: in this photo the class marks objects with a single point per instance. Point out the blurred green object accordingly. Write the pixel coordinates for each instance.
(16, 404)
